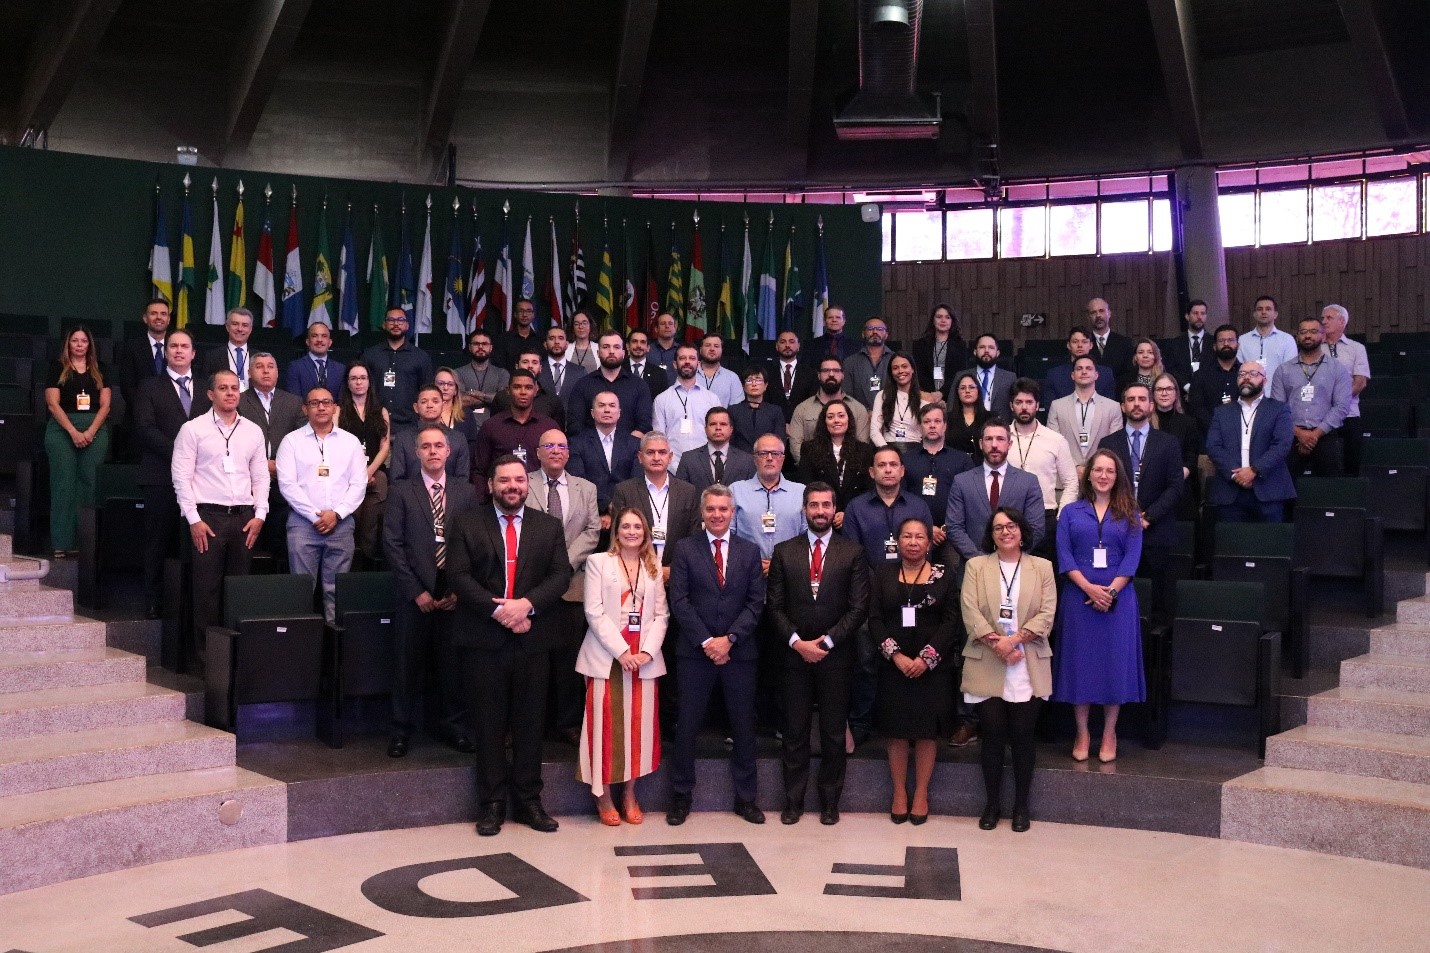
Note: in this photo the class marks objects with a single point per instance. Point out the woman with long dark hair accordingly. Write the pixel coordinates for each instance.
(966, 415)
(76, 437)
(837, 457)
(939, 353)
(361, 414)
(895, 419)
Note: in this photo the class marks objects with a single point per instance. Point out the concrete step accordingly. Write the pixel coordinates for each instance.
(1372, 818)
(106, 754)
(1371, 709)
(54, 710)
(70, 632)
(51, 836)
(1413, 611)
(6, 546)
(68, 668)
(1401, 639)
(1374, 754)
(25, 600)
(1405, 673)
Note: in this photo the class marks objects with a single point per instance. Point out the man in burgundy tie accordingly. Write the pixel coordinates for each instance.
(508, 565)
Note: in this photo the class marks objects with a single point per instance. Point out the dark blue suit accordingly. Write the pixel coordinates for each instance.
(302, 376)
(703, 609)
(1271, 440)
(588, 460)
(1159, 492)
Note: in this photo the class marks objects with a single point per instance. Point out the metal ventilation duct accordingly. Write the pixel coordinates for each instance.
(886, 105)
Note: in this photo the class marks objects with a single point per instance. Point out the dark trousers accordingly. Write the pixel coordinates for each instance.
(828, 684)
(274, 537)
(568, 686)
(424, 644)
(509, 688)
(161, 529)
(1048, 546)
(1351, 438)
(1246, 508)
(1326, 460)
(1008, 724)
(865, 690)
(227, 555)
(1156, 565)
(697, 679)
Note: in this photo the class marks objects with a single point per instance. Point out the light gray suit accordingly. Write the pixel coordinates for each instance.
(1103, 417)
(969, 513)
(580, 520)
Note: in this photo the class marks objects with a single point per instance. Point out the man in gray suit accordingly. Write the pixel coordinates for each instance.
(573, 501)
(717, 461)
(1084, 417)
(995, 384)
(277, 413)
(976, 493)
(670, 505)
(558, 376)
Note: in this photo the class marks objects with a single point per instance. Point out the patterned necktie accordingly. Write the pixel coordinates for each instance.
(323, 372)
(719, 565)
(789, 378)
(439, 523)
(993, 493)
(185, 398)
(1197, 348)
(558, 374)
(159, 358)
(238, 363)
(816, 562)
(1136, 453)
(511, 546)
(719, 466)
(553, 499)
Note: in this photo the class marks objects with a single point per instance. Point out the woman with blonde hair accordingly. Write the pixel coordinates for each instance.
(1146, 366)
(626, 617)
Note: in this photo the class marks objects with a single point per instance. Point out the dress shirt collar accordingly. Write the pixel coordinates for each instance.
(315, 358)
(1001, 470)
(723, 448)
(653, 489)
(1143, 430)
(175, 375)
(428, 482)
(711, 537)
(825, 537)
(606, 437)
(519, 515)
(559, 480)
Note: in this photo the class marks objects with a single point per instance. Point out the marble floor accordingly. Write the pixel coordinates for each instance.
(719, 885)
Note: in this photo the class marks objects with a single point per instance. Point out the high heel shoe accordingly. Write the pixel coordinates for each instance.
(898, 818)
(989, 820)
(917, 819)
(634, 815)
(1104, 756)
(609, 816)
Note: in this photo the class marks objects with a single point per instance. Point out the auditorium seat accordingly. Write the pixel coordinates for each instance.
(1336, 535)
(1263, 553)
(109, 531)
(359, 659)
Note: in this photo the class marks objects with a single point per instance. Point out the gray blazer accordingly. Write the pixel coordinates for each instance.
(1103, 418)
(682, 520)
(580, 520)
(697, 470)
(968, 511)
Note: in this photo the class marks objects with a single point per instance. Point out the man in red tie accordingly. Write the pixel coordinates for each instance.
(508, 566)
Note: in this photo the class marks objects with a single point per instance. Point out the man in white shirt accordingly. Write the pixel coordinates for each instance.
(1266, 344)
(1352, 354)
(679, 411)
(720, 381)
(1044, 453)
(1084, 417)
(322, 472)
(220, 473)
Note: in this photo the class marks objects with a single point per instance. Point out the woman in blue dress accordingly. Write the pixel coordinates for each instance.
(1100, 641)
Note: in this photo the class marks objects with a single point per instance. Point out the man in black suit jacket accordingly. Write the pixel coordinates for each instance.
(277, 413)
(1189, 351)
(640, 365)
(670, 505)
(1108, 347)
(414, 541)
(590, 459)
(1158, 482)
(717, 591)
(508, 622)
(159, 412)
(817, 606)
(236, 352)
(141, 356)
(792, 378)
(697, 466)
(554, 365)
(404, 463)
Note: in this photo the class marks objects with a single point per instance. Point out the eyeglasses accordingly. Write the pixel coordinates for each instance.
(554, 446)
(875, 327)
(1249, 374)
(321, 402)
(769, 454)
(1002, 528)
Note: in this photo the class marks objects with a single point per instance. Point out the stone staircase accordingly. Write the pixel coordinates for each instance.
(99, 770)
(1355, 779)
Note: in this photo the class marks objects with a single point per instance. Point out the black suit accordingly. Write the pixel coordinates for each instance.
(837, 613)
(546, 380)
(654, 375)
(1159, 492)
(803, 386)
(216, 359)
(423, 638)
(403, 463)
(1177, 357)
(157, 417)
(284, 416)
(135, 362)
(588, 460)
(682, 516)
(507, 671)
(1116, 354)
(955, 359)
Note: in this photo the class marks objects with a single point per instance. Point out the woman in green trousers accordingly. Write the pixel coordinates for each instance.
(76, 437)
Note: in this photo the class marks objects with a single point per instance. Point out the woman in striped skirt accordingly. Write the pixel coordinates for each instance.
(626, 617)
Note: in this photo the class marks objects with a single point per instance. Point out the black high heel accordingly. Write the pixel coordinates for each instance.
(898, 818)
(989, 820)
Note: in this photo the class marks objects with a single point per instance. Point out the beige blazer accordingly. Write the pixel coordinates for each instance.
(580, 523)
(982, 593)
(605, 617)
(1103, 417)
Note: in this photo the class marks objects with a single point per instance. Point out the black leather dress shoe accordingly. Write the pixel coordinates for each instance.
(678, 811)
(1021, 820)
(462, 743)
(989, 820)
(490, 820)
(534, 816)
(748, 811)
(829, 814)
(397, 747)
(791, 814)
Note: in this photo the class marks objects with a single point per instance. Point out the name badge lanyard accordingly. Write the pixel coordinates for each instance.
(658, 515)
(909, 608)
(633, 616)
(1099, 555)
(1005, 611)
(228, 466)
(891, 546)
(684, 409)
(1022, 451)
(1309, 391)
(768, 519)
(709, 382)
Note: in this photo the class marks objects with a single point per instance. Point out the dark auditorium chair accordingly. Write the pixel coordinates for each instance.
(1406, 360)
(109, 531)
(1397, 471)
(1337, 536)
(1156, 646)
(360, 650)
(1038, 356)
(1263, 553)
(1222, 655)
(1391, 418)
(19, 427)
(269, 649)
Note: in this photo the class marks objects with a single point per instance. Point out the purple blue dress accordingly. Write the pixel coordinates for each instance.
(1099, 655)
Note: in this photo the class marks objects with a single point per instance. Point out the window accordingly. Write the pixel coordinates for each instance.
(1335, 211)
(970, 233)
(1022, 231)
(1161, 225)
(1390, 207)
(1238, 219)
(1074, 229)
(918, 236)
(1283, 217)
(886, 222)
(1124, 227)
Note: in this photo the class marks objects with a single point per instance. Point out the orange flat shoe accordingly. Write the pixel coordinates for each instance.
(634, 815)
(611, 818)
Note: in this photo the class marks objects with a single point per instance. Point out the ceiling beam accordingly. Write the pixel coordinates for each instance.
(637, 25)
(444, 90)
(1367, 30)
(803, 50)
(983, 70)
(263, 48)
(1176, 38)
(61, 48)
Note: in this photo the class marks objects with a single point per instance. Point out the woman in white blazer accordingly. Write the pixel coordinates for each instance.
(626, 619)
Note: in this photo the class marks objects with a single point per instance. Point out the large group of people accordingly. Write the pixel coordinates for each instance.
(593, 531)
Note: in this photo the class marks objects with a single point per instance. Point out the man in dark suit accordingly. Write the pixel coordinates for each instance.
(508, 574)
(995, 384)
(277, 413)
(142, 356)
(316, 368)
(405, 463)
(415, 542)
(1059, 380)
(1108, 347)
(975, 494)
(161, 406)
(604, 454)
(235, 353)
(1154, 459)
(833, 342)
(698, 467)
(717, 591)
(640, 366)
(1252, 480)
(818, 598)
(670, 505)
(1185, 354)
(792, 379)
(555, 374)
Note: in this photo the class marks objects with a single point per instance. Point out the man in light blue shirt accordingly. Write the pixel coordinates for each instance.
(1265, 343)
(1317, 388)
(718, 380)
(768, 508)
(679, 412)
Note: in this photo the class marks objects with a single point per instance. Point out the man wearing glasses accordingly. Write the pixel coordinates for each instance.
(866, 372)
(398, 368)
(322, 473)
(1248, 444)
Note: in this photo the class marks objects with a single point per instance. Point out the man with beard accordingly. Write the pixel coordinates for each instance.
(806, 414)
(995, 383)
(141, 357)
(1317, 388)
(515, 432)
(316, 368)
(557, 375)
(978, 492)
(1044, 453)
(639, 363)
(480, 380)
(1216, 383)
(662, 349)
(867, 370)
(1182, 356)
(1108, 347)
(1248, 443)
(521, 339)
(791, 380)
(508, 565)
(834, 342)
(718, 380)
(1058, 382)
(679, 413)
(613, 376)
(1084, 417)
(399, 368)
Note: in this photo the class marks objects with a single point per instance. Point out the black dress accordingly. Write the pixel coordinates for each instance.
(849, 475)
(962, 436)
(915, 708)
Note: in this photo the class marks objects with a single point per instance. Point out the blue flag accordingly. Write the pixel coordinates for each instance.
(821, 283)
(405, 290)
(348, 281)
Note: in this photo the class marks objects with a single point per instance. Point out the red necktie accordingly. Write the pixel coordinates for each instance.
(511, 545)
(993, 493)
(719, 565)
(789, 379)
(816, 562)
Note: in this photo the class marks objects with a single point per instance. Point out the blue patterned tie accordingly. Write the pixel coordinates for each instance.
(1136, 452)
(185, 398)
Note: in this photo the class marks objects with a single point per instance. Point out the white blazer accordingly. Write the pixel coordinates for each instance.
(605, 617)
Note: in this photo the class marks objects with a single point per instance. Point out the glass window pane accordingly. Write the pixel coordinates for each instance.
(1396, 163)
(1161, 225)
(970, 233)
(1074, 229)
(1335, 212)
(1124, 227)
(1159, 184)
(963, 196)
(1122, 186)
(1336, 168)
(1283, 173)
(1027, 193)
(920, 236)
(1390, 207)
(1073, 190)
(1238, 219)
(1236, 177)
(1022, 232)
(1283, 217)
(887, 224)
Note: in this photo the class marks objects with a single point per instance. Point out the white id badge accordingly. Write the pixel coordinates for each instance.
(937, 375)
(685, 425)
(1005, 612)
(81, 401)
(389, 378)
(767, 523)
(1308, 393)
(438, 538)
(875, 383)
(520, 453)
(901, 432)
(909, 613)
(891, 549)
(930, 485)
(1083, 438)
(658, 535)
(633, 621)
(1099, 557)
(228, 464)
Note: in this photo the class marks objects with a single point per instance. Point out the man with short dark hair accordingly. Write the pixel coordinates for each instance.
(664, 343)
(680, 410)
(791, 379)
(834, 342)
(754, 417)
(642, 366)
(806, 415)
(1265, 343)
(1043, 452)
(866, 371)
(480, 379)
(521, 338)
(994, 383)
(978, 492)
(406, 461)
(1083, 417)
(1249, 443)
(1215, 384)
(1059, 380)
(516, 431)
(717, 379)
(718, 460)
(1184, 354)
(142, 356)
(1317, 388)
(604, 454)
(558, 375)
(316, 368)
(544, 404)
(235, 353)
(612, 375)
(398, 368)
(930, 469)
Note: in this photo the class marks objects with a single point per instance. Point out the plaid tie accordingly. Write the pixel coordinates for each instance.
(439, 523)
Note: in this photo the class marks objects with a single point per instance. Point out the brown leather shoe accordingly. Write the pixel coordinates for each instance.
(966, 733)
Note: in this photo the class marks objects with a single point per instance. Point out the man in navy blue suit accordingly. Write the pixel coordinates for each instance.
(717, 592)
(604, 454)
(315, 368)
(1248, 443)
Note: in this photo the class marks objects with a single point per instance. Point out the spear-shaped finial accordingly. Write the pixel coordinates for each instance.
(268, 191)
(819, 222)
(215, 186)
(295, 191)
(772, 218)
(456, 204)
(240, 189)
(429, 201)
(696, 215)
(188, 181)
(505, 208)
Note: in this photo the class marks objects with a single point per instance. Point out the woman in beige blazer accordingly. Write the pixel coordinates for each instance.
(626, 618)
(1009, 601)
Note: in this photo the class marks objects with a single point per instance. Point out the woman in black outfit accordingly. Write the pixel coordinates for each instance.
(939, 354)
(1171, 417)
(361, 414)
(835, 456)
(966, 415)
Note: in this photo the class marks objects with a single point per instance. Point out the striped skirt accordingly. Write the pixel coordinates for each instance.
(620, 735)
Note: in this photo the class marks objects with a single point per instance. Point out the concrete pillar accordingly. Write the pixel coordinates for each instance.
(1203, 257)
